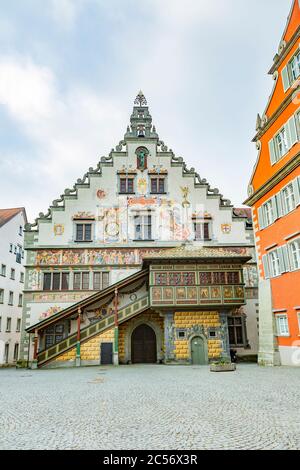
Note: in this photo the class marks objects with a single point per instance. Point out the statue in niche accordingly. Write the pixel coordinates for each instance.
(142, 159)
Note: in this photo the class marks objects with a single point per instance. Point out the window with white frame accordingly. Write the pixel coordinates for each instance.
(11, 298)
(274, 263)
(12, 274)
(143, 227)
(289, 198)
(269, 213)
(8, 325)
(295, 66)
(1, 296)
(18, 327)
(294, 254)
(20, 300)
(282, 325)
(282, 142)
(10, 247)
(3, 270)
(21, 277)
(291, 72)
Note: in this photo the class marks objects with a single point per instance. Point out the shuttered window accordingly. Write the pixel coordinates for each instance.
(284, 140)
(295, 66)
(294, 254)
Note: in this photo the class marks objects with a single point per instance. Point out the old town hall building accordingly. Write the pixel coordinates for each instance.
(140, 261)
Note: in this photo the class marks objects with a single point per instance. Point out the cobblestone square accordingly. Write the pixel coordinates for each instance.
(150, 407)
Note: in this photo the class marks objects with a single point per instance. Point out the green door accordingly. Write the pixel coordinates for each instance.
(198, 351)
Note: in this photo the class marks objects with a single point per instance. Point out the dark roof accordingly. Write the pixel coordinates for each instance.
(8, 214)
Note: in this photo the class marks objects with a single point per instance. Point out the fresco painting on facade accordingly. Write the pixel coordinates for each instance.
(49, 312)
(141, 220)
(58, 229)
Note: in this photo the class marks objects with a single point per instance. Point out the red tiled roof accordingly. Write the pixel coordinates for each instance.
(7, 214)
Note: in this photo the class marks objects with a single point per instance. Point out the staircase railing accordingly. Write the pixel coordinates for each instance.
(95, 328)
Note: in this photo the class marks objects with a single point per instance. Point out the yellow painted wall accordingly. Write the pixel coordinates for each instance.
(190, 319)
(90, 350)
(154, 317)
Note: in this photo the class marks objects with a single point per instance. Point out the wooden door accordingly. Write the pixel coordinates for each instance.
(198, 351)
(106, 353)
(143, 345)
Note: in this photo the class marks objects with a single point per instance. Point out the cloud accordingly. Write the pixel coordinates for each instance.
(65, 12)
(65, 129)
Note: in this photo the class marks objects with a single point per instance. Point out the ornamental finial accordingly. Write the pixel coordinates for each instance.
(140, 100)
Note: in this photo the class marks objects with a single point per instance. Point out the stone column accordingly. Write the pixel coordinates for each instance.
(268, 354)
(169, 331)
(225, 335)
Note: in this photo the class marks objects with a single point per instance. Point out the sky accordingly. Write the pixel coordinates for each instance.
(70, 71)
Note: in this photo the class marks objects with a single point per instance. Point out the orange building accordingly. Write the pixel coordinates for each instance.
(274, 195)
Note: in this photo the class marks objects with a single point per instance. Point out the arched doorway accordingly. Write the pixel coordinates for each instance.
(198, 351)
(143, 345)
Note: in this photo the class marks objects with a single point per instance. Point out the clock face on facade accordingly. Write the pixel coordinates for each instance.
(112, 229)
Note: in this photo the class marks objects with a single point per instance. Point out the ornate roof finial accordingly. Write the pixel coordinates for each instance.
(140, 99)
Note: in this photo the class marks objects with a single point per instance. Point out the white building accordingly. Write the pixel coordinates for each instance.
(12, 222)
(139, 200)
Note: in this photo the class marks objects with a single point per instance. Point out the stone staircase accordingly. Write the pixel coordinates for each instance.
(124, 314)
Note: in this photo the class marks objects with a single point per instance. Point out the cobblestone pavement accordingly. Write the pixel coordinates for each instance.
(150, 407)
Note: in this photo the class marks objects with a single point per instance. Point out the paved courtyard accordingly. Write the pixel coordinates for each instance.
(150, 407)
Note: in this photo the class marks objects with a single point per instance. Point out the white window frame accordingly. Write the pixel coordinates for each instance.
(288, 195)
(274, 263)
(279, 331)
(294, 260)
(295, 60)
(142, 215)
(284, 140)
(269, 212)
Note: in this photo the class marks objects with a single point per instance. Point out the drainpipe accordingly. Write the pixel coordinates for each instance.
(78, 357)
(116, 331)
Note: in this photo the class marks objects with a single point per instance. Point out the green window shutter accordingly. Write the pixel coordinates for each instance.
(266, 266)
(284, 210)
(281, 260)
(274, 208)
(272, 150)
(291, 132)
(285, 256)
(296, 191)
(285, 79)
(291, 258)
(278, 199)
(261, 218)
